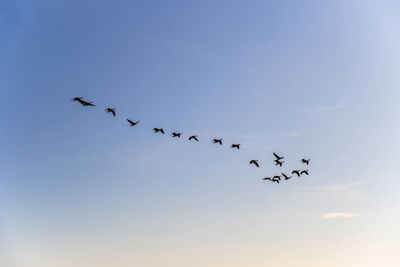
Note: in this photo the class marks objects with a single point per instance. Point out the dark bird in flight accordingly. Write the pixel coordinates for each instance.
(286, 177)
(112, 110)
(278, 157)
(267, 178)
(194, 137)
(255, 162)
(305, 172)
(297, 172)
(156, 130)
(132, 122)
(275, 180)
(174, 134)
(306, 161)
(277, 177)
(277, 162)
(83, 102)
(235, 146)
(217, 141)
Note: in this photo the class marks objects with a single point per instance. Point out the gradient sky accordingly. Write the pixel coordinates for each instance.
(317, 79)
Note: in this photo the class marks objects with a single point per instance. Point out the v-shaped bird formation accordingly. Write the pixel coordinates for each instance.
(278, 159)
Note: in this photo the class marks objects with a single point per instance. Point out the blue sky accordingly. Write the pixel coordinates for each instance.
(313, 79)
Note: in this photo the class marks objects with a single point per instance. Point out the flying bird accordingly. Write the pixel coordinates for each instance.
(194, 137)
(83, 102)
(132, 122)
(174, 134)
(286, 177)
(278, 157)
(217, 141)
(112, 110)
(306, 161)
(156, 130)
(275, 180)
(235, 146)
(277, 162)
(267, 178)
(305, 172)
(277, 177)
(297, 172)
(255, 162)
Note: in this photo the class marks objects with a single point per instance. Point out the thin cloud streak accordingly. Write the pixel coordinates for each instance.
(323, 109)
(339, 215)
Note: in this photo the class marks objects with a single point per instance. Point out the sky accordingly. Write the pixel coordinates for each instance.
(313, 79)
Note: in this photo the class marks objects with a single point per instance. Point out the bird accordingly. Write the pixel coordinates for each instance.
(132, 122)
(156, 130)
(278, 157)
(304, 171)
(278, 177)
(194, 137)
(297, 172)
(174, 134)
(235, 146)
(306, 161)
(267, 178)
(83, 102)
(255, 162)
(277, 162)
(112, 110)
(286, 177)
(275, 180)
(217, 141)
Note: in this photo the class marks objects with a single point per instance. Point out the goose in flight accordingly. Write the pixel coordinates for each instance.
(277, 162)
(278, 157)
(297, 172)
(255, 162)
(267, 178)
(112, 110)
(217, 141)
(275, 180)
(305, 172)
(194, 137)
(83, 102)
(306, 161)
(286, 177)
(235, 146)
(156, 130)
(174, 134)
(277, 177)
(132, 122)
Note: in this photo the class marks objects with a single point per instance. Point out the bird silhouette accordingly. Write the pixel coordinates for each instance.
(286, 177)
(174, 134)
(217, 141)
(275, 180)
(83, 102)
(305, 172)
(278, 157)
(255, 162)
(132, 122)
(235, 146)
(156, 130)
(112, 110)
(277, 162)
(267, 178)
(194, 137)
(297, 172)
(306, 161)
(278, 177)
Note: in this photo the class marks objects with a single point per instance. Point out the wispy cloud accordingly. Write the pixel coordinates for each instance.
(337, 215)
(323, 109)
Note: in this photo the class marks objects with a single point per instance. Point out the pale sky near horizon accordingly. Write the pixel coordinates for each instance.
(314, 79)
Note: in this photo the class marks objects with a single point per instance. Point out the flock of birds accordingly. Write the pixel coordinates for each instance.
(278, 159)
